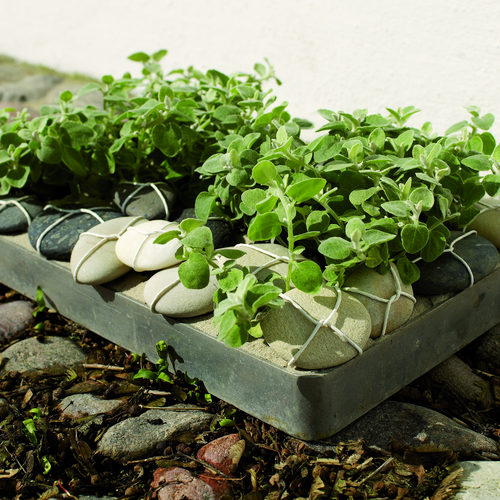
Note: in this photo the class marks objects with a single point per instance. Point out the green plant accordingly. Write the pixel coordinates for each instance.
(30, 431)
(161, 372)
(154, 128)
(370, 191)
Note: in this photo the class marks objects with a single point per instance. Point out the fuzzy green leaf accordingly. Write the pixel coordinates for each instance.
(485, 122)
(139, 57)
(305, 189)
(50, 151)
(265, 173)
(397, 208)
(194, 273)
(359, 196)
(167, 138)
(264, 227)
(204, 204)
(229, 279)
(491, 184)
(307, 277)
(232, 333)
(18, 176)
(457, 127)
(414, 238)
(74, 160)
(336, 248)
(434, 247)
(408, 271)
(317, 221)
(78, 133)
(424, 195)
(477, 162)
(201, 237)
(471, 193)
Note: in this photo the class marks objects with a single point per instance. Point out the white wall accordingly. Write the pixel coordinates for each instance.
(438, 55)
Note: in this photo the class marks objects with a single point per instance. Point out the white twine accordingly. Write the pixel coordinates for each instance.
(141, 186)
(451, 251)
(147, 234)
(99, 244)
(275, 258)
(161, 293)
(487, 208)
(5, 203)
(67, 213)
(318, 323)
(398, 293)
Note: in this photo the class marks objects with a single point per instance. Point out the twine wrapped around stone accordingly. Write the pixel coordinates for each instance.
(278, 325)
(93, 260)
(165, 294)
(67, 213)
(136, 247)
(487, 223)
(140, 186)
(340, 323)
(451, 251)
(17, 203)
(389, 311)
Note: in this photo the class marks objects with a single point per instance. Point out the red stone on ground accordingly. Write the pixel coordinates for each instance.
(218, 453)
(180, 484)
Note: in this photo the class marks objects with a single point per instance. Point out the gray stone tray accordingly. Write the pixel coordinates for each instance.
(306, 404)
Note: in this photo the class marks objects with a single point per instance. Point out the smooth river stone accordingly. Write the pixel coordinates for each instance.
(487, 225)
(255, 258)
(286, 329)
(137, 243)
(383, 286)
(448, 274)
(102, 265)
(61, 239)
(146, 202)
(12, 218)
(223, 235)
(179, 301)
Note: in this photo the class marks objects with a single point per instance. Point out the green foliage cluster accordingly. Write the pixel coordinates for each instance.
(368, 191)
(152, 128)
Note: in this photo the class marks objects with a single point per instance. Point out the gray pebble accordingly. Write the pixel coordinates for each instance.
(414, 426)
(53, 355)
(478, 480)
(137, 437)
(82, 405)
(15, 317)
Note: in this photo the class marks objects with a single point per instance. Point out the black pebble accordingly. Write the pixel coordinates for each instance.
(449, 274)
(146, 202)
(59, 242)
(12, 218)
(223, 234)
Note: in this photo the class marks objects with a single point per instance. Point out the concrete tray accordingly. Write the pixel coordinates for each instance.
(306, 404)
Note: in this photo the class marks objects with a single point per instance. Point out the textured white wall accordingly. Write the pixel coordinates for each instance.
(438, 55)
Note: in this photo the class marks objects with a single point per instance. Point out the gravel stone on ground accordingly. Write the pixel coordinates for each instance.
(15, 317)
(54, 355)
(137, 437)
